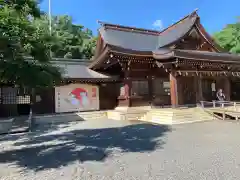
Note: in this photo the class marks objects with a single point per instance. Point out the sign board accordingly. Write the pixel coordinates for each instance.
(76, 97)
(166, 84)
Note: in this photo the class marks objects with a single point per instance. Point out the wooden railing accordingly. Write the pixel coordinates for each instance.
(221, 107)
(175, 107)
(222, 104)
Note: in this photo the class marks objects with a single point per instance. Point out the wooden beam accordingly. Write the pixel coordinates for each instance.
(173, 89)
(209, 71)
(110, 63)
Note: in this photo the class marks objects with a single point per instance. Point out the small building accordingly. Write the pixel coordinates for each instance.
(81, 90)
(180, 65)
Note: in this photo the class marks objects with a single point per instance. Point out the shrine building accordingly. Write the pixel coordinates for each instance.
(180, 65)
(134, 67)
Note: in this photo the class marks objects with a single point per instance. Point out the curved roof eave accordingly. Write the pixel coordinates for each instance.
(180, 32)
(131, 52)
(163, 53)
(100, 58)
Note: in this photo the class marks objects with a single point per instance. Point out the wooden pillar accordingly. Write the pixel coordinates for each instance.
(227, 88)
(150, 89)
(199, 92)
(150, 83)
(173, 89)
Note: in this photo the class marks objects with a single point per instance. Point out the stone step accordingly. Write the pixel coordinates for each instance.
(92, 115)
(162, 116)
(179, 115)
(134, 116)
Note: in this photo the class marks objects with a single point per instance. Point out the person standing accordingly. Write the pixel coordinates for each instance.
(220, 95)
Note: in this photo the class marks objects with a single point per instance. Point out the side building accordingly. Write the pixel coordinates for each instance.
(80, 90)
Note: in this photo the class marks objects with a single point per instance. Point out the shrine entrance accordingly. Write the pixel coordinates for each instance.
(188, 90)
(140, 93)
(209, 89)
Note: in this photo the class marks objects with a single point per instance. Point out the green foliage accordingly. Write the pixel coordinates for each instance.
(24, 31)
(20, 36)
(69, 40)
(229, 38)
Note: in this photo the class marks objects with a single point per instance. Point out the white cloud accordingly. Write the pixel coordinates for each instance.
(158, 24)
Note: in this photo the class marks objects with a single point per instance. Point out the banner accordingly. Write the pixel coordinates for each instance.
(76, 97)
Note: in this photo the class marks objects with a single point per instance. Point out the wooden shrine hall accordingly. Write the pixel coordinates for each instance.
(180, 65)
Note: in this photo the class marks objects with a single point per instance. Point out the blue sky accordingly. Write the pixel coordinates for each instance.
(214, 14)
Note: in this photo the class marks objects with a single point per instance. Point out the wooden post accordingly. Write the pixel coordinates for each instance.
(31, 113)
(224, 115)
(222, 105)
(236, 118)
(173, 89)
(214, 104)
(199, 93)
(150, 89)
(227, 88)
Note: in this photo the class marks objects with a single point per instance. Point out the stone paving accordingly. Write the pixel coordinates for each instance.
(107, 150)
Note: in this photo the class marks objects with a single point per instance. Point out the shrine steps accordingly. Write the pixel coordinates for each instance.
(129, 115)
(177, 116)
(146, 114)
(162, 115)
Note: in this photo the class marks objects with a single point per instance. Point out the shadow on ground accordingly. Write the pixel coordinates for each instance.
(56, 150)
(38, 129)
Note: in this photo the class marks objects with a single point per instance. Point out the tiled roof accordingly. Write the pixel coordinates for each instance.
(206, 55)
(139, 41)
(80, 71)
(198, 55)
(77, 69)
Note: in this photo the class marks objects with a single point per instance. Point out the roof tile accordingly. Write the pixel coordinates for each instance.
(138, 41)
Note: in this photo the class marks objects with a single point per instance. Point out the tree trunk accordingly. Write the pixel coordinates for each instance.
(31, 113)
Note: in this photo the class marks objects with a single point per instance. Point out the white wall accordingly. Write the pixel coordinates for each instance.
(76, 97)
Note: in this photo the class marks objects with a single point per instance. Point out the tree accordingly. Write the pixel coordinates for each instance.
(229, 38)
(19, 36)
(70, 40)
(89, 47)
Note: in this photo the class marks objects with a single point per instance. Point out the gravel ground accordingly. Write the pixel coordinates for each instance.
(107, 150)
